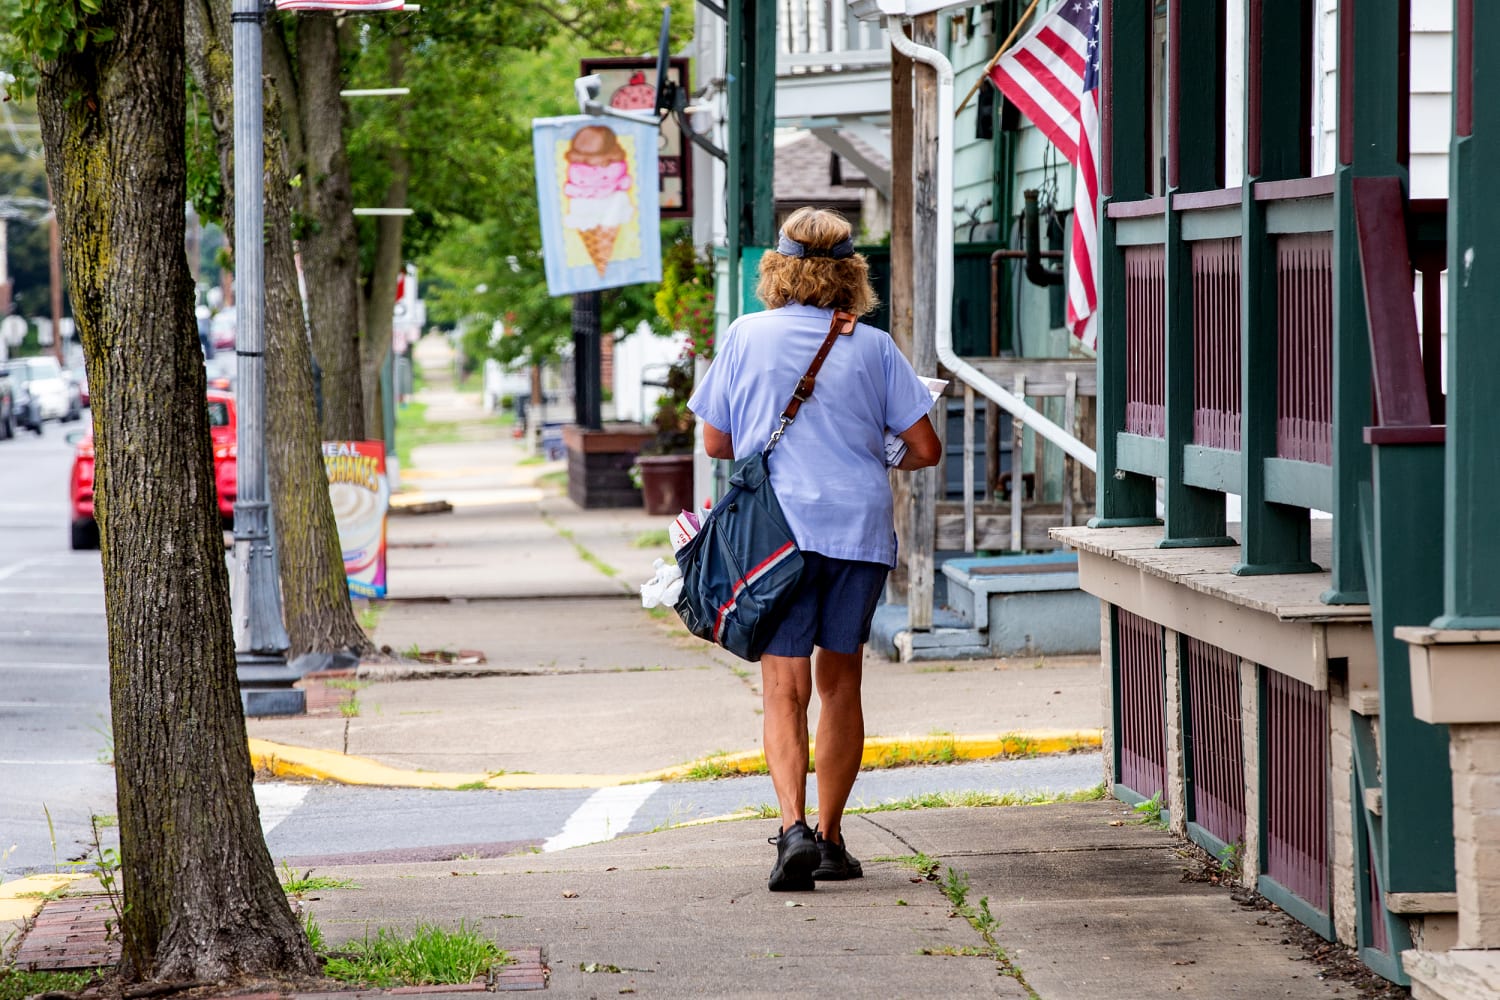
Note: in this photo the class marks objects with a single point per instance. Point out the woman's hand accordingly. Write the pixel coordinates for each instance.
(923, 448)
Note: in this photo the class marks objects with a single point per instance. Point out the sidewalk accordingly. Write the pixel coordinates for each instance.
(581, 687)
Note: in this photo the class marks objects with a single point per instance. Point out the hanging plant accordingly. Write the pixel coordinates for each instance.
(685, 298)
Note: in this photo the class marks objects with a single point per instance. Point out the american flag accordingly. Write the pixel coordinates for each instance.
(1052, 75)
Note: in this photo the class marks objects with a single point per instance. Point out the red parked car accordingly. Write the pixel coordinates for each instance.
(221, 428)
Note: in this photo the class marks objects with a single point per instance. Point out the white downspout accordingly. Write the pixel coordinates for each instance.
(944, 312)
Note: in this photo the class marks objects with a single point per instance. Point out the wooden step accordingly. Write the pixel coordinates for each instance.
(992, 525)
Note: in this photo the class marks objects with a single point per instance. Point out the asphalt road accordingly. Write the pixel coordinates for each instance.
(54, 734)
(54, 676)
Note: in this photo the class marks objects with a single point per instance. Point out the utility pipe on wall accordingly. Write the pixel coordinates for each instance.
(943, 314)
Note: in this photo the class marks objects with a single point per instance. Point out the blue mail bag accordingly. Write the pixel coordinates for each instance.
(740, 572)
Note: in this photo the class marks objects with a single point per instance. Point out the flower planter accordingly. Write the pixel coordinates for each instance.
(666, 483)
(599, 464)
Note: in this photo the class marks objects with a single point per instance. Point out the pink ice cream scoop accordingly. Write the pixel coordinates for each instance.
(585, 181)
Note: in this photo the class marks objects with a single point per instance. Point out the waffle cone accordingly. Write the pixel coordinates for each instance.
(600, 243)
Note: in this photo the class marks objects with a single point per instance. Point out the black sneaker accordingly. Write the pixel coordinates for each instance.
(835, 864)
(796, 857)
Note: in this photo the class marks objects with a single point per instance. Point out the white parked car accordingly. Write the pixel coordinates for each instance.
(41, 392)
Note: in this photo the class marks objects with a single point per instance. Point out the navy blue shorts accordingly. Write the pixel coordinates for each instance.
(835, 603)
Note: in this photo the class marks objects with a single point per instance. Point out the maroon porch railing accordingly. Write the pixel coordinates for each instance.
(1380, 938)
(1216, 343)
(1145, 340)
(1143, 731)
(1296, 788)
(1304, 390)
(1217, 742)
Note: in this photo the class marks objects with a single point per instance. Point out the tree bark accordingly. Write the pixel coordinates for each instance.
(330, 245)
(314, 587)
(201, 896)
(380, 303)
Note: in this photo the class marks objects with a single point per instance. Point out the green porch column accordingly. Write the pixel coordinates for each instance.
(1277, 537)
(1370, 98)
(1195, 149)
(1471, 582)
(1121, 498)
(752, 122)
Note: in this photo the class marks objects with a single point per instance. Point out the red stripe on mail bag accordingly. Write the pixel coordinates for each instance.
(768, 564)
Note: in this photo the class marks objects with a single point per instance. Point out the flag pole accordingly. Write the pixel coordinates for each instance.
(1004, 47)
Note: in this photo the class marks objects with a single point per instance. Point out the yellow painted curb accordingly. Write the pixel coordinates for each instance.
(325, 765)
(20, 898)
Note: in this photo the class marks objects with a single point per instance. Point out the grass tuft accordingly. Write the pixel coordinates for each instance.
(429, 956)
(15, 984)
(973, 800)
(300, 885)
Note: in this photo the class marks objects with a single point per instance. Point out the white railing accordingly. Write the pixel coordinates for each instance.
(821, 36)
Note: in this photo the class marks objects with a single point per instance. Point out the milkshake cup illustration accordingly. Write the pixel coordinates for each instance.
(596, 189)
(360, 514)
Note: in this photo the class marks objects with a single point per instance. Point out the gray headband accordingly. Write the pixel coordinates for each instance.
(788, 247)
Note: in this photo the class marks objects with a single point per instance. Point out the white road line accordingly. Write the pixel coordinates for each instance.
(277, 801)
(603, 816)
(48, 763)
(9, 571)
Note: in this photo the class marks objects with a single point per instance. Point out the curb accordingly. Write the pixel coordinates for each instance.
(284, 761)
(21, 898)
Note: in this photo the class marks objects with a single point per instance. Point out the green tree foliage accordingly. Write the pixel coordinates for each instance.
(478, 75)
(23, 183)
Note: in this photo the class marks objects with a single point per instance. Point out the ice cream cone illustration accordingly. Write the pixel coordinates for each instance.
(596, 189)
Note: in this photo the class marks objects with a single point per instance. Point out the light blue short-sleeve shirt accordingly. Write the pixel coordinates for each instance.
(829, 470)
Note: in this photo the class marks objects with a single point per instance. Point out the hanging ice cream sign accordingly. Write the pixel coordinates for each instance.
(360, 492)
(599, 221)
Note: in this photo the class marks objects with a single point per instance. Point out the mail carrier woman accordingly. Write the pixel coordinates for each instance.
(830, 474)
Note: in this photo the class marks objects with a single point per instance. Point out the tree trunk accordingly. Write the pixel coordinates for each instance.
(201, 896)
(314, 587)
(381, 301)
(330, 245)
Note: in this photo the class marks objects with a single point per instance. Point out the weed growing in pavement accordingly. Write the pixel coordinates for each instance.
(294, 885)
(314, 933)
(652, 539)
(411, 652)
(922, 864)
(583, 552)
(1232, 859)
(369, 616)
(106, 754)
(471, 786)
(1150, 812)
(15, 984)
(719, 766)
(956, 887)
(902, 755)
(348, 684)
(973, 800)
(349, 709)
(429, 956)
(955, 951)
(660, 612)
(1020, 746)
(531, 460)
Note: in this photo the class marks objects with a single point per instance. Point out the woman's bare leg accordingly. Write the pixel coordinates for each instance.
(841, 735)
(786, 686)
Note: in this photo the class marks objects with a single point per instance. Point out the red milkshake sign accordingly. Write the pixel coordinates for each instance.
(361, 494)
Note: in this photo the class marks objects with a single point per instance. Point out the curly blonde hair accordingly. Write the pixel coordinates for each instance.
(817, 281)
